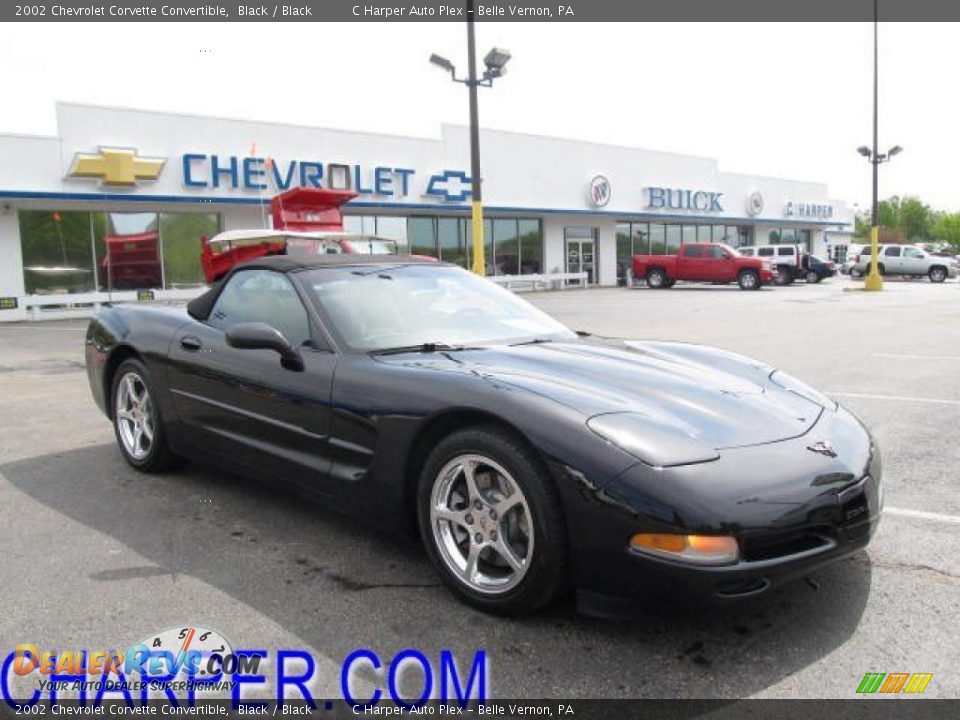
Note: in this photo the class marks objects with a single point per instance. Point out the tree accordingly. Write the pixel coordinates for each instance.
(914, 220)
(947, 229)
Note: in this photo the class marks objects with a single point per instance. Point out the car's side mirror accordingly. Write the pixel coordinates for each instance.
(260, 336)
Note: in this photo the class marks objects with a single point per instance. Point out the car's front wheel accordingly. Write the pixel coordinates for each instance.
(136, 419)
(748, 280)
(491, 521)
(938, 274)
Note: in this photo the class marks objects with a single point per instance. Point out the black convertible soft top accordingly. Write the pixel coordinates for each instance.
(199, 308)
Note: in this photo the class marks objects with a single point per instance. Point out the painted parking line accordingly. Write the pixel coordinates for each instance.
(901, 356)
(899, 398)
(922, 515)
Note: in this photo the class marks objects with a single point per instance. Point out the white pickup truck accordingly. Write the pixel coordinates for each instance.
(905, 260)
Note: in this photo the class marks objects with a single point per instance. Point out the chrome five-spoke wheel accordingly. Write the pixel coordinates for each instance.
(134, 416)
(481, 524)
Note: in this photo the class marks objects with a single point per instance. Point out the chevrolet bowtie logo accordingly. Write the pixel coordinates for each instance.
(116, 166)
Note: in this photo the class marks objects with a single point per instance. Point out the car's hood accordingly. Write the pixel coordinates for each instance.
(719, 399)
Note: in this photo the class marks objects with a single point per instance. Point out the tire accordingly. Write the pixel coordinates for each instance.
(880, 269)
(136, 416)
(938, 274)
(748, 280)
(657, 279)
(669, 284)
(855, 274)
(812, 277)
(783, 276)
(451, 526)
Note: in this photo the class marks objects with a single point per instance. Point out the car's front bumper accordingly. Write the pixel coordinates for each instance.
(791, 508)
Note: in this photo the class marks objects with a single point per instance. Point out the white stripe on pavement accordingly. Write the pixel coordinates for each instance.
(901, 398)
(901, 356)
(922, 515)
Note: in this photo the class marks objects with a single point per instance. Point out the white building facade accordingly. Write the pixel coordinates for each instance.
(114, 206)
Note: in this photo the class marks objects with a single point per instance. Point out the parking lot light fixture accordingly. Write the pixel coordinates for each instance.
(874, 281)
(495, 62)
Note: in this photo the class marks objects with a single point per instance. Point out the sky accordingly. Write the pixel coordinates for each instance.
(789, 100)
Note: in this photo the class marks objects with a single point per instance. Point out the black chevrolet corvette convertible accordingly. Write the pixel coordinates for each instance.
(529, 458)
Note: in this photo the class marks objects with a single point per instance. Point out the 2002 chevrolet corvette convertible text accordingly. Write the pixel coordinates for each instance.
(529, 458)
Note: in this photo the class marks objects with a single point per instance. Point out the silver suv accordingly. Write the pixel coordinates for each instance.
(905, 260)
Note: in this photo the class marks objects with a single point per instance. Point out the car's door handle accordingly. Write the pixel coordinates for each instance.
(189, 342)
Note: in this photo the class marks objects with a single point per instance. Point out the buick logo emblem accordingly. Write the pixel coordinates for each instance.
(755, 203)
(824, 448)
(599, 191)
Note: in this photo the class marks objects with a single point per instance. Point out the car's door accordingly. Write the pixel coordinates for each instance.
(241, 405)
(690, 263)
(914, 261)
(891, 260)
(718, 264)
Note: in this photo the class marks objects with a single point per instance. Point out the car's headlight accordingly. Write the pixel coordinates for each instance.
(649, 441)
(696, 549)
(797, 387)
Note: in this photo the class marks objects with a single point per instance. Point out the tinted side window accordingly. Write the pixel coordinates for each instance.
(912, 252)
(765, 252)
(262, 296)
(786, 251)
(716, 252)
(692, 251)
(892, 252)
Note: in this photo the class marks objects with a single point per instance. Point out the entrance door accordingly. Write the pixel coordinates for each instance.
(581, 253)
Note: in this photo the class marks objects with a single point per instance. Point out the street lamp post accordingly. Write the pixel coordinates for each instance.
(874, 280)
(495, 62)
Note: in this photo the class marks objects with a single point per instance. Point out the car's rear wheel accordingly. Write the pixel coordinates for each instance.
(748, 280)
(938, 274)
(812, 277)
(783, 275)
(880, 268)
(491, 522)
(657, 278)
(136, 419)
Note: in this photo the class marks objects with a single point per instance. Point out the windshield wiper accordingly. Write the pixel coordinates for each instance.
(534, 341)
(429, 347)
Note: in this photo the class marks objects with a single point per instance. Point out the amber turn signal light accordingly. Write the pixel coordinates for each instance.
(699, 549)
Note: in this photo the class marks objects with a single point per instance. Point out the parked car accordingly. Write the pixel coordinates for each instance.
(528, 458)
(786, 260)
(905, 260)
(703, 262)
(816, 269)
(851, 257)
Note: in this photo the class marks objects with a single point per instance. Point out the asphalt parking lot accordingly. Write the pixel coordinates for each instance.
(95, 554)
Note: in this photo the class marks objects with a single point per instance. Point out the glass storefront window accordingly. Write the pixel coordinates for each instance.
(689, 234)
(57, 251)
(128, 251)
(624, 250)
(451, 240)
(180, 235)
(506, 244)
(422, 236)
(658, 239)
(673, 239)
(531, 246)
(69, 252)
(640, 232)
(704, 234)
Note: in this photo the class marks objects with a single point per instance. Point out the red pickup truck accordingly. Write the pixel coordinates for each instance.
(703, 262)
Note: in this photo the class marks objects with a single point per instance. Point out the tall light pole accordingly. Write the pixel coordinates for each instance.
(874, 280)
(495, 62)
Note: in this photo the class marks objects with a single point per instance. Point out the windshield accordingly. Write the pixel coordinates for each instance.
(379, 307)
(734, 252)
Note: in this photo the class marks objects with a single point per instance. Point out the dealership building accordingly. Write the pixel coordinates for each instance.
(155, 183)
